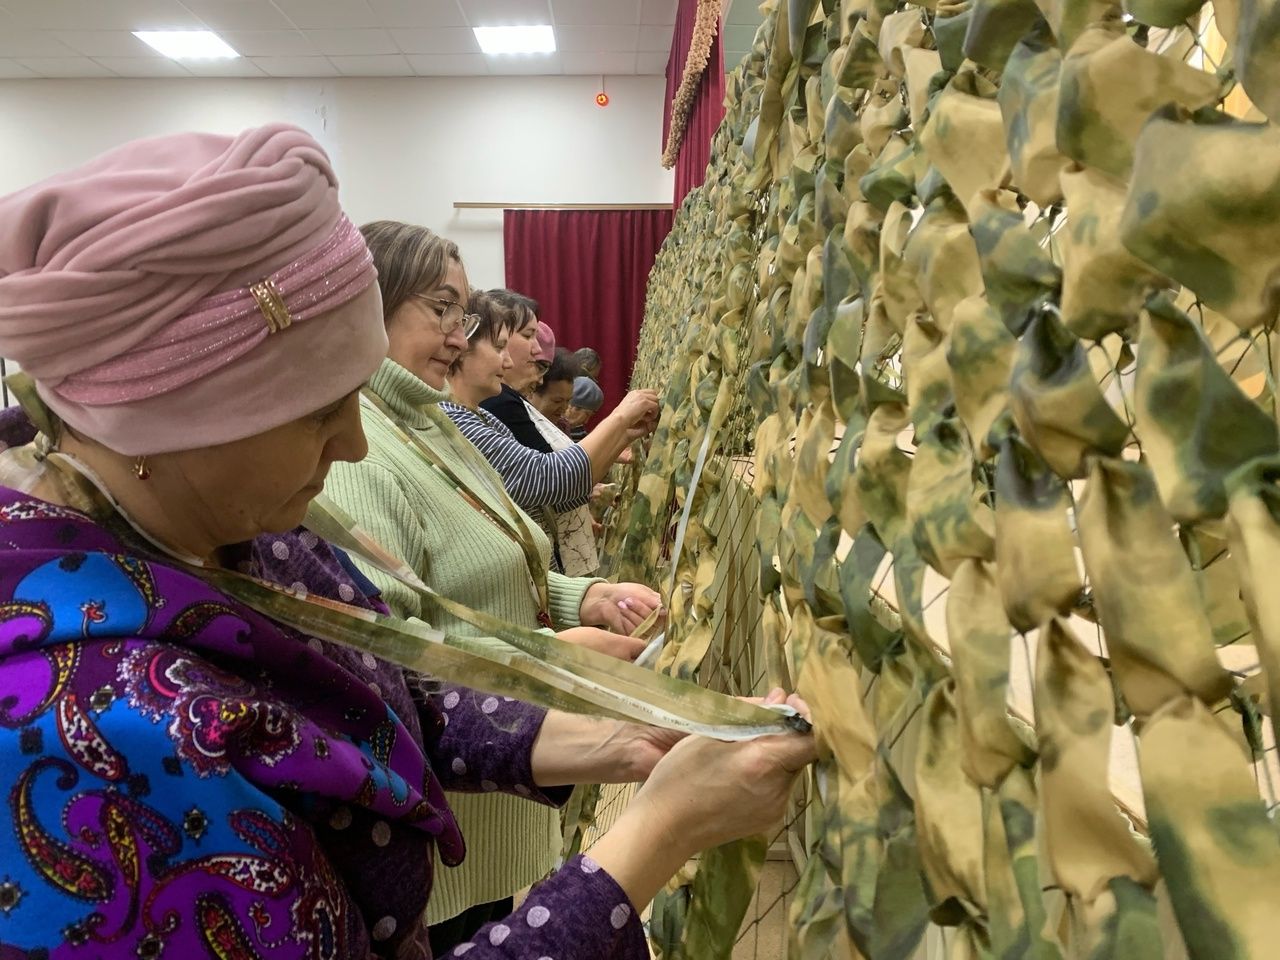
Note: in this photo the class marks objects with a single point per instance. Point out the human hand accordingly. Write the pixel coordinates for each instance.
(703, 792)
(638, 411)
(634, 749)
(571, 748)
(620, 607)
(638, 432)
(603, 497)
(637, 747)
(778, 695)
(615, 645)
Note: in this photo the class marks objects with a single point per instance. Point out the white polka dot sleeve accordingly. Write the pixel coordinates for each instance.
(483, 744)
(579, 913)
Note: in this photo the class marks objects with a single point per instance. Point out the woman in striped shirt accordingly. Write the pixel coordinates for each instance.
(539, 482)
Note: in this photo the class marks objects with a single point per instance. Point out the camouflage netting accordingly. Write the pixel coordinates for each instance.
(970, 435)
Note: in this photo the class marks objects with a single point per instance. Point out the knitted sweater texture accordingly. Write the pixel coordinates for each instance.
(416, 513)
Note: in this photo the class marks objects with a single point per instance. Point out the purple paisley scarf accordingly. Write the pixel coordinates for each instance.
(184, 777)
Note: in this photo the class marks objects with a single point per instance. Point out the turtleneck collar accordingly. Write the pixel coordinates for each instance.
(405, 393)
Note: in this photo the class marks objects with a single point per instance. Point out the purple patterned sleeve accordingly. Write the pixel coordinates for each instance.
(476, 742)
(579, 913)
(485, 743)
(16, 428)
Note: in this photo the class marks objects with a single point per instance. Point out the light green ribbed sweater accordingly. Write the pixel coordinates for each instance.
(414, 512)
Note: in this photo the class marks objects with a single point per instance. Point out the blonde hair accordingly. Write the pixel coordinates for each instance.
(410, 259)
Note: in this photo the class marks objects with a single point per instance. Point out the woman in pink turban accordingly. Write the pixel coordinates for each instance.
(186, 776)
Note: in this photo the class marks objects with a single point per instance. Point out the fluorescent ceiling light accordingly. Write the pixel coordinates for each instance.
(187, 44)
(508, 40)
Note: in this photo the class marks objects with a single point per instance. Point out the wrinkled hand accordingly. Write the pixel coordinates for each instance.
(615, 645)
(620, 607)
(639, 748)
(705, 792)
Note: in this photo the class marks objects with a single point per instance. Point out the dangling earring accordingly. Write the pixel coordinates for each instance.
(140, 468)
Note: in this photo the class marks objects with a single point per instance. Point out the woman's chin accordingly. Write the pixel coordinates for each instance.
(291, 515)
(435, 374)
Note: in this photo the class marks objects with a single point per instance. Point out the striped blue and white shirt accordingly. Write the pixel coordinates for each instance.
(559, 481)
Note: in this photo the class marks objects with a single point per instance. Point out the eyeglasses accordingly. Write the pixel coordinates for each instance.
(452, 315)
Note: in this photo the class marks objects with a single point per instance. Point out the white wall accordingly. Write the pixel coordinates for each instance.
(404, 149)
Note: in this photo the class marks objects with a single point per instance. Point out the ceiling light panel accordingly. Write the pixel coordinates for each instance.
(187, 44)
(507, 41)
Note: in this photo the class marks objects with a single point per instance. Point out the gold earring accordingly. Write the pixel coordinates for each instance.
(140, 468)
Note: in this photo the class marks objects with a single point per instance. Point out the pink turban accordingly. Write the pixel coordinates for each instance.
(546, 343)
(189, 290)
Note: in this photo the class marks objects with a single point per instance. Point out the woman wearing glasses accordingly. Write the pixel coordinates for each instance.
(185, 774)
(428, 496)
(545, 484)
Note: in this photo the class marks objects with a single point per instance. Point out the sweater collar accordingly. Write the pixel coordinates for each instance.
(405, 393)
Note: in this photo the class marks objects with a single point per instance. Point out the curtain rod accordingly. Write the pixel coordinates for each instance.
(473, 205)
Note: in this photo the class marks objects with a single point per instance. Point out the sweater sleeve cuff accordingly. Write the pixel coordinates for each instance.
(484, 744)
(565, 594)
(579, 913)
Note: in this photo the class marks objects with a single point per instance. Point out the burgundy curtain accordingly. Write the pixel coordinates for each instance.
(587, 269)
(708, 107)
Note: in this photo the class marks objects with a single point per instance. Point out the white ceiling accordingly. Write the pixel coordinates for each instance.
(741, 20)
(331, 38)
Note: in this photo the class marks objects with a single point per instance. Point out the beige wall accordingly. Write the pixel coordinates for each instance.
(404, 148)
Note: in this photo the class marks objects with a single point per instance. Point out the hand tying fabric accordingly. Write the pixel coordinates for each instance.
(638, 412)
(616, 645)
(576, 749)
(571, 748)
(703, 793)
(620, 607)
